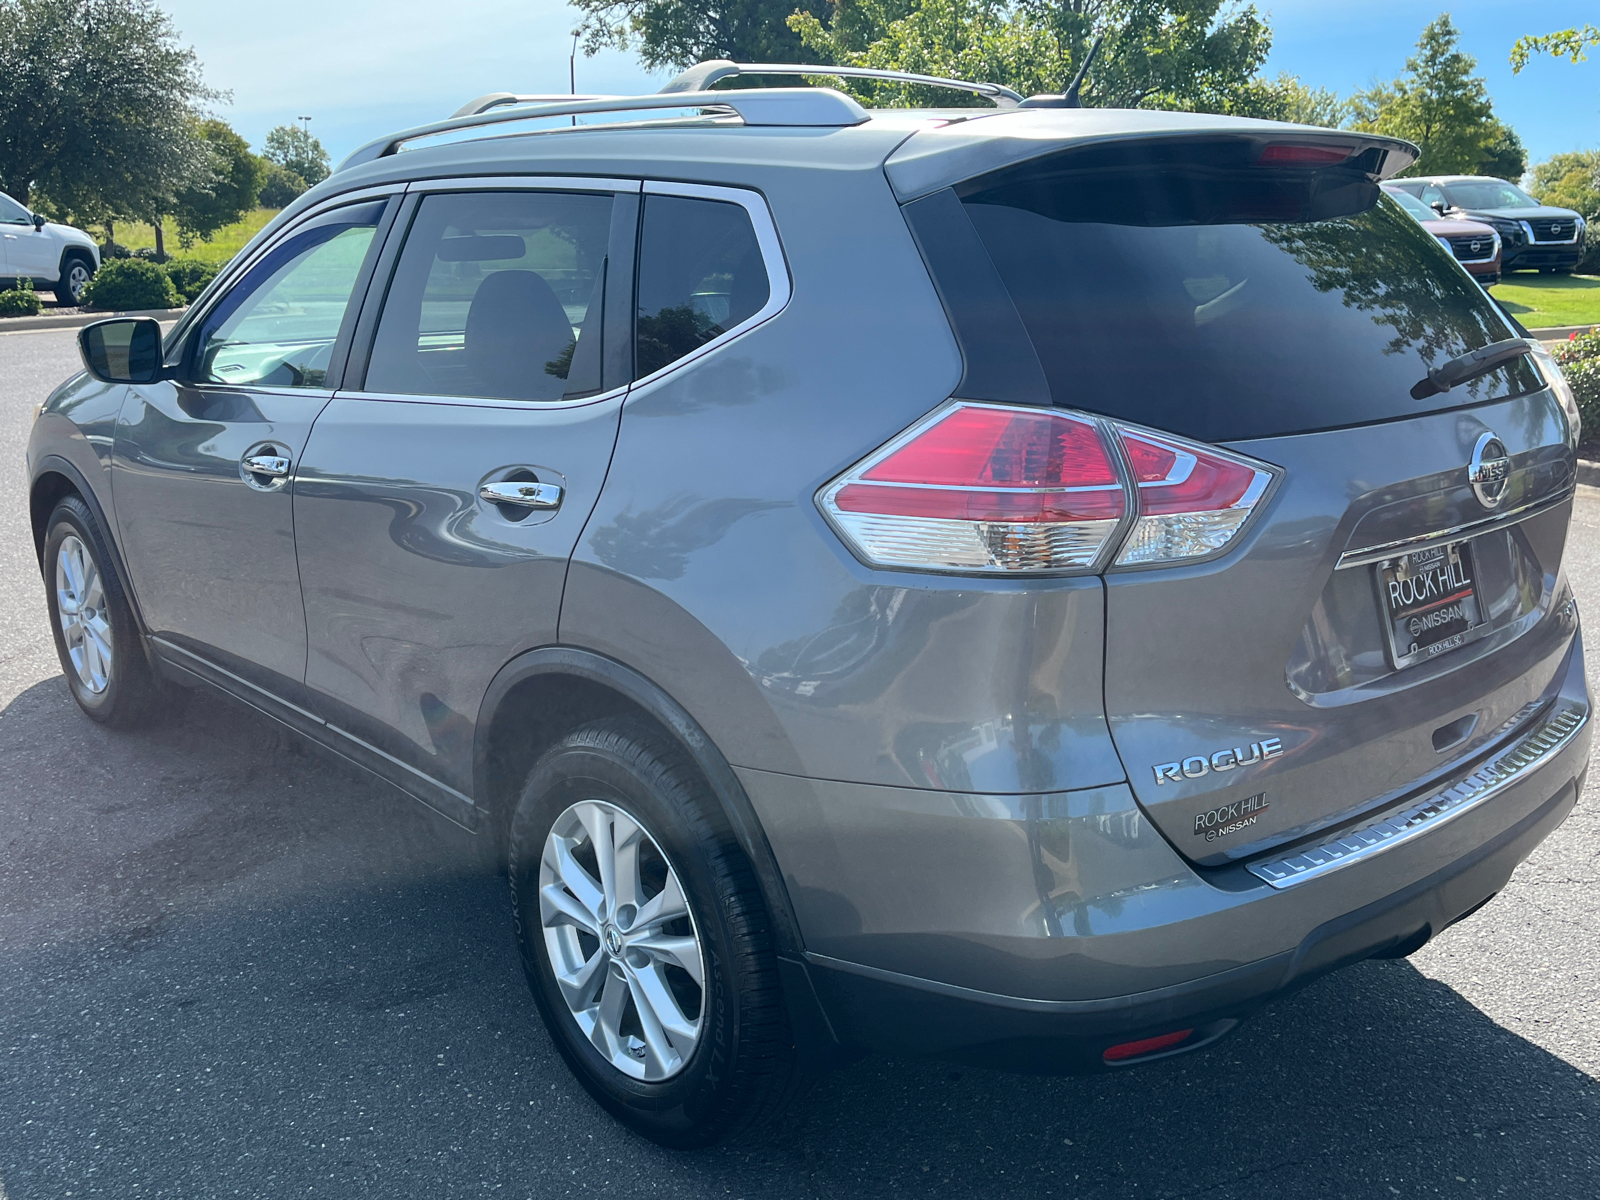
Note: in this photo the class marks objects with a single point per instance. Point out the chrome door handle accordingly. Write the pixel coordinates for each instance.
(269, 466)
(523, 495)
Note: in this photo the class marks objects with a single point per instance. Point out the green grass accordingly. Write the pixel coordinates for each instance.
(1549, 301)
(227, 241)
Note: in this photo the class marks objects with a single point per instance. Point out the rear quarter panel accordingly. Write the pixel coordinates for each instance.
(707, 567)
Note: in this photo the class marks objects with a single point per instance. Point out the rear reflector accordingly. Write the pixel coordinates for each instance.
(995, 488)
(1127, 1050)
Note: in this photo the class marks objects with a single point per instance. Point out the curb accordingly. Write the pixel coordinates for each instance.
(1560, 333)
(77, 320)
(1589, 472)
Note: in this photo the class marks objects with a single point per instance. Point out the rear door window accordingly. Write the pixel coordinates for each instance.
(498, 295)
(700, 274)
(1162, 297)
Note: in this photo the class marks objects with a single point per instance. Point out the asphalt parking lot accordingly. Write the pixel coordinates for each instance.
(229, 967)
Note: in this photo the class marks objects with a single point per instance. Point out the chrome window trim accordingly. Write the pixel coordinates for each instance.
(240, 265)
(1455, 533)
(780, 286)
(1506, 769)
(519, 183)
(486, 401)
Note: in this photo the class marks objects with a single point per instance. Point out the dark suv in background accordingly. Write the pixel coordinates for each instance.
(1533, 236)
(1025, 585)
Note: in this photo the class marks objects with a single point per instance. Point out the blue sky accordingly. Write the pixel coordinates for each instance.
(360, 68)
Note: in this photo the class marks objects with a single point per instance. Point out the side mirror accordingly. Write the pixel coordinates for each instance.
(38, 222)
(1440, 207)
(122, 350)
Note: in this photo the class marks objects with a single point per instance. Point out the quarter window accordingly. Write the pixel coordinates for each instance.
(497, 295)
(700, 275)
(278, 325)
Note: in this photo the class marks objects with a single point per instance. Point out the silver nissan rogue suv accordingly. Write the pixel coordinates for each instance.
(1021, 584)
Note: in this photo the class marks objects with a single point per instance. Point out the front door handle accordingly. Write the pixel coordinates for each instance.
(544, 496)
(268, 466)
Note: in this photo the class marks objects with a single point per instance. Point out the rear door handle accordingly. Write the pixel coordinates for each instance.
(524, 495)
(268, 466)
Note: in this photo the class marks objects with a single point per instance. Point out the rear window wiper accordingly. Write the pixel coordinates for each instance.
(1471, 365)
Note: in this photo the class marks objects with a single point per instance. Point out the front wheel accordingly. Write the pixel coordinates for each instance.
(645, 938)
(96, 638)
(76, 271)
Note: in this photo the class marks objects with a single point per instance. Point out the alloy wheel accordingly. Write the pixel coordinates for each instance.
(85, 623)
(621, 940)
(77, 280)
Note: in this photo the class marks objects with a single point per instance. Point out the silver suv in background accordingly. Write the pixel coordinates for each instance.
(55, 258)
(1025, 585)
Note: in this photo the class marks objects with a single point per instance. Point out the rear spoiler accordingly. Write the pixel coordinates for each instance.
(936, 158)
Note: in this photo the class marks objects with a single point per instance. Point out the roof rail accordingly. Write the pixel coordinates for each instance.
(755, 106)
(701, 76)
(483, 104)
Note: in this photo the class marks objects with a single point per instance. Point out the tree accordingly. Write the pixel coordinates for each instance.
(237, 178)
(680, 33)
(98, 108)
(1311, 106)
(295, 149)
(1439, 104)
(281, 188)
(1181, 54)
(1573, 181)
(1570, 44)
(1506, 157)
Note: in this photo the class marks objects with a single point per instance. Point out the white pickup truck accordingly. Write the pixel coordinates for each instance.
(58, 258)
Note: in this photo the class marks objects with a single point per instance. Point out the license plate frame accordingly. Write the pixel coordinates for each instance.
(1429, 602)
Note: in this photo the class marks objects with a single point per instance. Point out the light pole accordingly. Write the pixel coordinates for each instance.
(572, 70)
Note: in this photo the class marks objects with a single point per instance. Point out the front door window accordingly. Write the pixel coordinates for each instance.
(277, 326)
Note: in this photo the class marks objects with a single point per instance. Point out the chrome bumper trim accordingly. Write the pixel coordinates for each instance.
(1510, 766)
(1440, 537)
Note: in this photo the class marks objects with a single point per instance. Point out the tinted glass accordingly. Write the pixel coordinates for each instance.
(496, 295)
(12, 213)
(1488, 193)
(1235, 329)
(700, 274)
(278, 325)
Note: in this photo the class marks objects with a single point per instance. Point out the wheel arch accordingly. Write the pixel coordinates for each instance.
(541, 695)
(56, 478)
(70, 252)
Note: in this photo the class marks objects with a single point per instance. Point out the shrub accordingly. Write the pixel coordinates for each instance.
(20, 301)
(130, 283)
(1580, 363)
(190, 276)
(148, 253)
(114, 250)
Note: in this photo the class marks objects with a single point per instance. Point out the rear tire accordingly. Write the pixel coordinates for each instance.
(707, 1060)
(100, 647)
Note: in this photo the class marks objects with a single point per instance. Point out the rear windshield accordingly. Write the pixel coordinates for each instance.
(1158, 300)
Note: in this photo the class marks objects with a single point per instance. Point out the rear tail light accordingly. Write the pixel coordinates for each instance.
(993, 488)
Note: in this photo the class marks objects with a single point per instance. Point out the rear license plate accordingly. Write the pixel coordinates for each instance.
(1430, 602)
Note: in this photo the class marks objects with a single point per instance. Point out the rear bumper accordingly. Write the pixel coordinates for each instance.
(1033, 933)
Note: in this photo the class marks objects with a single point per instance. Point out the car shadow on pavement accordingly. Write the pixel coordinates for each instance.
(230, 966)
